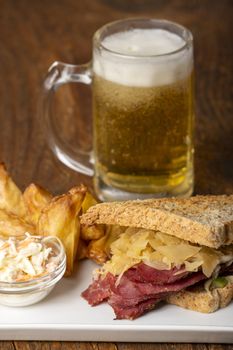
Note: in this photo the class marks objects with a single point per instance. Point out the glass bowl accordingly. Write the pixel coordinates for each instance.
(34, 290)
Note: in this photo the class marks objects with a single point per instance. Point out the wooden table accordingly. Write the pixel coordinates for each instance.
(35, 33)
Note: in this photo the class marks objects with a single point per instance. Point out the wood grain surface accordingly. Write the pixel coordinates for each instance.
(35, 33)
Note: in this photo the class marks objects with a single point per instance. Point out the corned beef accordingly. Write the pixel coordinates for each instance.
(132, 312)
(139, 289)
(145, 273)
(129, 293)
(99, 290)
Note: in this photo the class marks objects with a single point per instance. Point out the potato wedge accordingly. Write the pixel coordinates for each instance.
(99, 250)
(92, 232)
(82, 250)
(88, 202)
(60, 218)
(35, 198)
(80, 188)
(11, 198)
(13, 225)
(96, 250)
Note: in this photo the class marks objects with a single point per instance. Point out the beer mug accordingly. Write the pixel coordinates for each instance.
(142, 87)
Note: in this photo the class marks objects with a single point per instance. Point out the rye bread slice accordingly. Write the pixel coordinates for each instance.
(205, 220)
(197, 299)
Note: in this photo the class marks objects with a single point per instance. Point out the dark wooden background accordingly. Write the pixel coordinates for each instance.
(34, 33)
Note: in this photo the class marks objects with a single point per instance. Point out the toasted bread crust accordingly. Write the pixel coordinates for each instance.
(199, 300)
(205, 220)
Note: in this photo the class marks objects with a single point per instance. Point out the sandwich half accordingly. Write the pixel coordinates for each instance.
(174, 250)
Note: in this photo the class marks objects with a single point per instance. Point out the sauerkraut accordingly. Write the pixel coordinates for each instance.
(163, 252)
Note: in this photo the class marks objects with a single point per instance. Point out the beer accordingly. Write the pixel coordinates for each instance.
(143, 114)
(141, 74)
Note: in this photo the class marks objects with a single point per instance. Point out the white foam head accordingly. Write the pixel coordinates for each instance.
(139, 57)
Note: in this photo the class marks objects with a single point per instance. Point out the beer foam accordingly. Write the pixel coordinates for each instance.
(144, 59)
(141, 42)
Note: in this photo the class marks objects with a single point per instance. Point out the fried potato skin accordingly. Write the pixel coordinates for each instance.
(13, 225)
(82, 250)
(89, 233)
(60, 218)
(88, 202)
(35, 198)
(96, 250)
(99, 250)
(36, 211)
(11, 198)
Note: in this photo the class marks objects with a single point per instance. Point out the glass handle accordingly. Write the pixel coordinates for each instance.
(58, 74)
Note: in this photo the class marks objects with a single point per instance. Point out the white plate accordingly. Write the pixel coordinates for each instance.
(64, 315)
